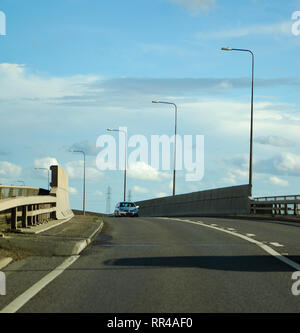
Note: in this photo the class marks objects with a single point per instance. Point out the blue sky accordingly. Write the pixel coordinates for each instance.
(69, 69)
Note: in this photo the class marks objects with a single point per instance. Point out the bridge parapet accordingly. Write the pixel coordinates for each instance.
(27, 206)
(17, 191)
(285, 205)
(222, 201)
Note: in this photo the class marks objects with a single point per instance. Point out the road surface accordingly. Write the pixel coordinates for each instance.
(155, 265)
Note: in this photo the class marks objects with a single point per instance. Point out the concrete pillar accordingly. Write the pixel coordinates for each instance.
(24, 217)
(286, 209)
(38, 218)
(30, 217)
(295, 209)
(14, 218)
(33, 217)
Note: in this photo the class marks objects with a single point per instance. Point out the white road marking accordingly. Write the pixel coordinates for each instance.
(21, 300)
(263, 246)
(276, 244)
(231, 229)
(250, 235)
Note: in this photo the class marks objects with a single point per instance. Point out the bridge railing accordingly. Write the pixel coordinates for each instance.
(286, 205)
(27, 206)
(20, 191)
(22, 206)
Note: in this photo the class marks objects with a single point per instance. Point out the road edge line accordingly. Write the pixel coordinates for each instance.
(21, 300)
(263, 246)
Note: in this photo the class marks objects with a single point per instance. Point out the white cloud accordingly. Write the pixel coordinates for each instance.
(237, 170)
(45, 162)
(99, 193)
(288, 163)
(228, 117)
(9, 170)
(285, 164)
(278, 181)
(18, 83)
(88, 147)
(73, 190)
(143, 171)
(274, 141)
(220, 118)
(235, 176)
(140, 189)
(161, 195)
(75, 171)
(273, 29)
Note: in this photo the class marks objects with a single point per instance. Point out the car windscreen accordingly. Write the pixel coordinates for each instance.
(127, 204)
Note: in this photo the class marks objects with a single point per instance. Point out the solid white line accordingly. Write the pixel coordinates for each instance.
(5, 262)
(250, 235)
(264, 247)
(21, 300)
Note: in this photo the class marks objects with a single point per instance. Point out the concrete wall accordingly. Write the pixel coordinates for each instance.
(223, 201)
(60, 187)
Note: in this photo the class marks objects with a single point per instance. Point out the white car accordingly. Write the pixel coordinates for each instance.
(125, 208)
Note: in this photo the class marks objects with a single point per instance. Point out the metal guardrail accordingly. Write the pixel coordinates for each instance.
(26, 206)
(285, 205)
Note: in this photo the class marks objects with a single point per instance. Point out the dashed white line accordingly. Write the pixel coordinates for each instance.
(263, 246)
(276, 244)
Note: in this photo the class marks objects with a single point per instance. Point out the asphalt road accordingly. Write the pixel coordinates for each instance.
(152, 265)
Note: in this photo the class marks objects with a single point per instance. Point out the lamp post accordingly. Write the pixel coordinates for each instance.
(251, 125)
(48, 174)
(125, 168)
(174, 170)
(82, 152)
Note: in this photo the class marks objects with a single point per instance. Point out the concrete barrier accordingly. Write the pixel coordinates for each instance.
(60, 188)
(222, 201)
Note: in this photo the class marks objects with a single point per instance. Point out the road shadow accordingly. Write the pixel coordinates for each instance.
(224, 263)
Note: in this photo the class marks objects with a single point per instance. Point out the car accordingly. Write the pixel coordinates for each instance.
(126, 208)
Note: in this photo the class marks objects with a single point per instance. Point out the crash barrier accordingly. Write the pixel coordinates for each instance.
(29, 206)
(222, 201)
(286, 205)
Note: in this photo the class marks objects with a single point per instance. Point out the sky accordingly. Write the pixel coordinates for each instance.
(70, 69)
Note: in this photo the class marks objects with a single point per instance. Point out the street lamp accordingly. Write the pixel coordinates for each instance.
(174, 171)
(125, 168)
(48, 174)
(251, 126)
(82, 152)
